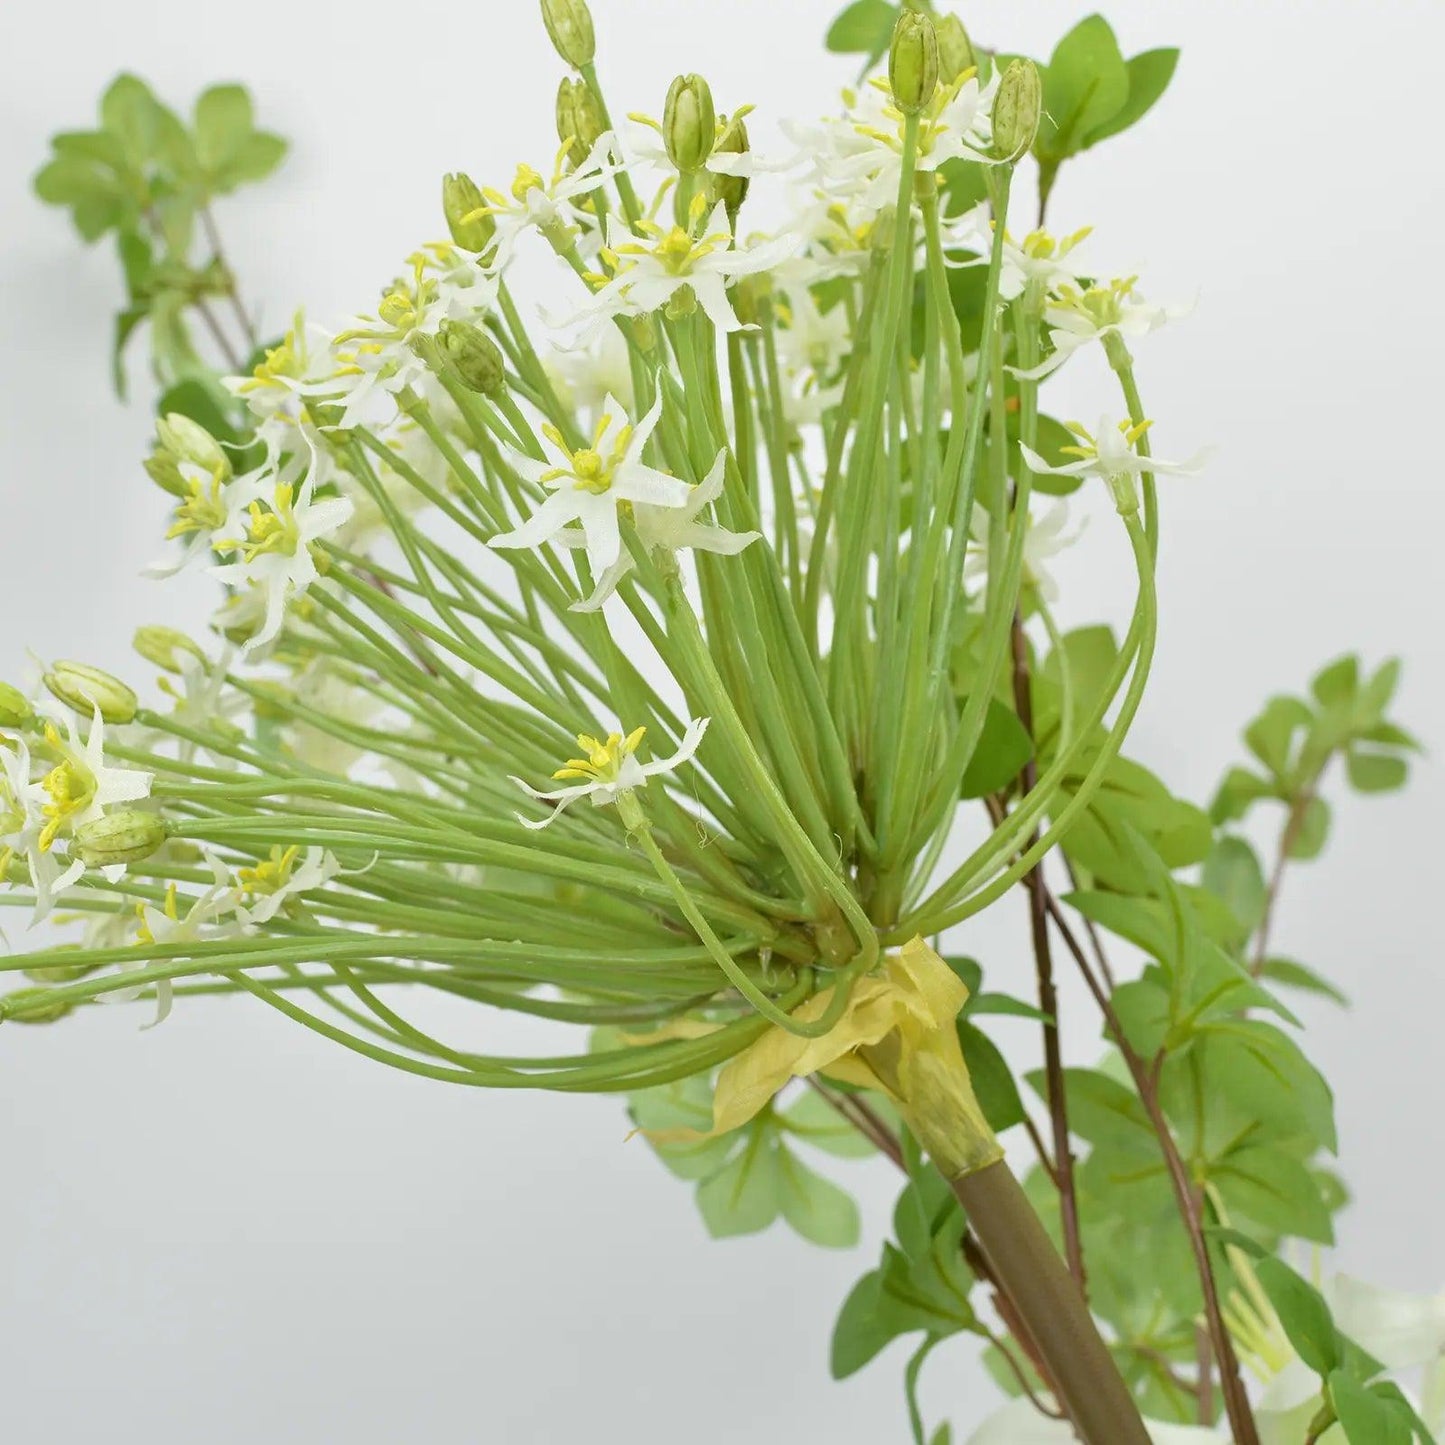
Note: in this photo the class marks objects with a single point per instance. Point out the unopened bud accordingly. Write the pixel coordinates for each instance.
(189, 441)
(689, 123)
(1016, 110)
(913, 62)
(476, 357)
(955, 49)
(569, 25)
(61, 972)
(161, 468)
(164, 647)
(85, 688)
(15, 709)
(579, 117)
(126, 836)
(732, 191)
(471, 226)
(30, 1006)
(753, 297)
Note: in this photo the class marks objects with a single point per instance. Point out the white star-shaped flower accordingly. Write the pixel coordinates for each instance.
(589, 484)
(609, 769)
(671, 529)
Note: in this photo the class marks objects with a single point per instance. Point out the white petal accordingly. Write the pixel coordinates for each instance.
(690, 741)
(1038, 464)
(559, 509)
(637, 483)
(1400, 1330)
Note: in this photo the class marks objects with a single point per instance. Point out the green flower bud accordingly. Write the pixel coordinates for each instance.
(477, 358)
(1016, 109)
(569, 26)
(689, 123)
(15, 709)
(125, 836)
(461, 202)
(732, 191)
(28, 1006)
(163, 469)
(61, 972)
(955, 49)
(579, 117)
(163, 646)
(189, 441)
(913, 62)
(85, 688)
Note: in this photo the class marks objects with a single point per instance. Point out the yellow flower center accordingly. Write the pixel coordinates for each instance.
(273, 530)
(589, 469)
(527, 179)
(202, 511)
(1102, 305)
(604, 759)
(143, 934)
(70, 785)
(272, 875)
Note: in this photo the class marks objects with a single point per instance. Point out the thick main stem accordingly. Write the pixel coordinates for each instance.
(1027, 1266)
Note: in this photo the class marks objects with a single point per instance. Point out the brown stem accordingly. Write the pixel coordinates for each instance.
(1063, 1167)
(1204, 1366)
(1236, 1400)
(1021, 1375)
(223, 342)
(858, 1112)
(213, 237)
(1028, 1267)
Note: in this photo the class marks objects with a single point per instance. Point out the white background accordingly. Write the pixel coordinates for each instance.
(227, 1230)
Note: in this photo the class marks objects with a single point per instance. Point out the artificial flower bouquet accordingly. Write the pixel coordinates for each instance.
(673, 657)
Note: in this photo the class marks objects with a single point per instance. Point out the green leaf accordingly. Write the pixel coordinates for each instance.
(1263, 1074)
(1003, 748)
(1309, 837)
(1390, 1392)
(257, 156)
(1338, 682)
(127, 112)
(1090, 653)
(813, 1121)
(743, 1197)
(224, 122)
(816, 1207)
(1132, 800)
(1275, 1191)
(204, 401)
(1388, 735)
(1233, 872)
(125, 324)
(1224, 1234)
(1271, 736)
(1367, 1418)
(865, 1326)
(1149, 75)
(1086, 84)
(685, 1104)
(1006, 1005)
(1303, 1313)
(1295, 975)
(969, 971)
(993, 1080)
(1372, 772)
(1376, 694)
(1239, 790)
(1102, 1110)
(864, 28)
